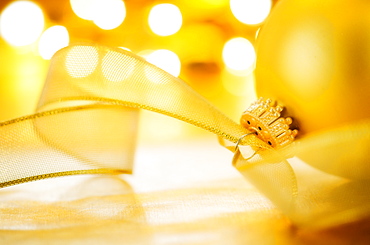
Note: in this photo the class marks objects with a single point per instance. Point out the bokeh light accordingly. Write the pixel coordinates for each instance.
(239, 54)
(81, 61)
(21, 23)
(84, 8)
(165, 19)
(194, 31)
(109, 14)
(166, 60)
(112, 66)
(53, 39)
(250, 11)
(106, 14)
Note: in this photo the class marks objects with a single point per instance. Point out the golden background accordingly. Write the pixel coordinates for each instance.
(164, 202)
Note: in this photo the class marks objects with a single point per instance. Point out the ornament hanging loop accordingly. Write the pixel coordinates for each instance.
(241, 138)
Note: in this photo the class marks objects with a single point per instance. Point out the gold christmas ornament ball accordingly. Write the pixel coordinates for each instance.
(313, 57)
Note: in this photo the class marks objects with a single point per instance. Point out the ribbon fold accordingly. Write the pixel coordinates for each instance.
(86, 123)
(86, 119)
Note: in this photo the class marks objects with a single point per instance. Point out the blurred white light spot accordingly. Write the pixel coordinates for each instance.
(166, 60)
(53, 39)
(21, 23)
(83, 8)
(117, 67)
(239, 55)
(81, 61)
(250, 11)
(109, 14)
(106, 14)
(165, 19)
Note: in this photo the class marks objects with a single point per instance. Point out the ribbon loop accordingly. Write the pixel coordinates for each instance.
(86, 122)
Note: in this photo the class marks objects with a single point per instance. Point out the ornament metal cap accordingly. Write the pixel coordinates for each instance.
(263, 118)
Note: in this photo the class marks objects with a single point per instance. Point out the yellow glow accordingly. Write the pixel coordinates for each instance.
(239, 85)
(81, 61)
(212, 3)
(21, 23)
(250, 11)
(314, 71)
(109, 14)
(160, 128)
(165, 19)
(239, 55)
(166, 60)
(53, 39)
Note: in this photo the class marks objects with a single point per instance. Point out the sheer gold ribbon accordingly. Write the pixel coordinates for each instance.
(86, 122)
(87, 115)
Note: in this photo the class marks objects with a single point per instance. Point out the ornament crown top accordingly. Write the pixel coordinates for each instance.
(264, 118)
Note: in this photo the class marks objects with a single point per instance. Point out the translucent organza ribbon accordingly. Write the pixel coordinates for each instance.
(86, 122)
